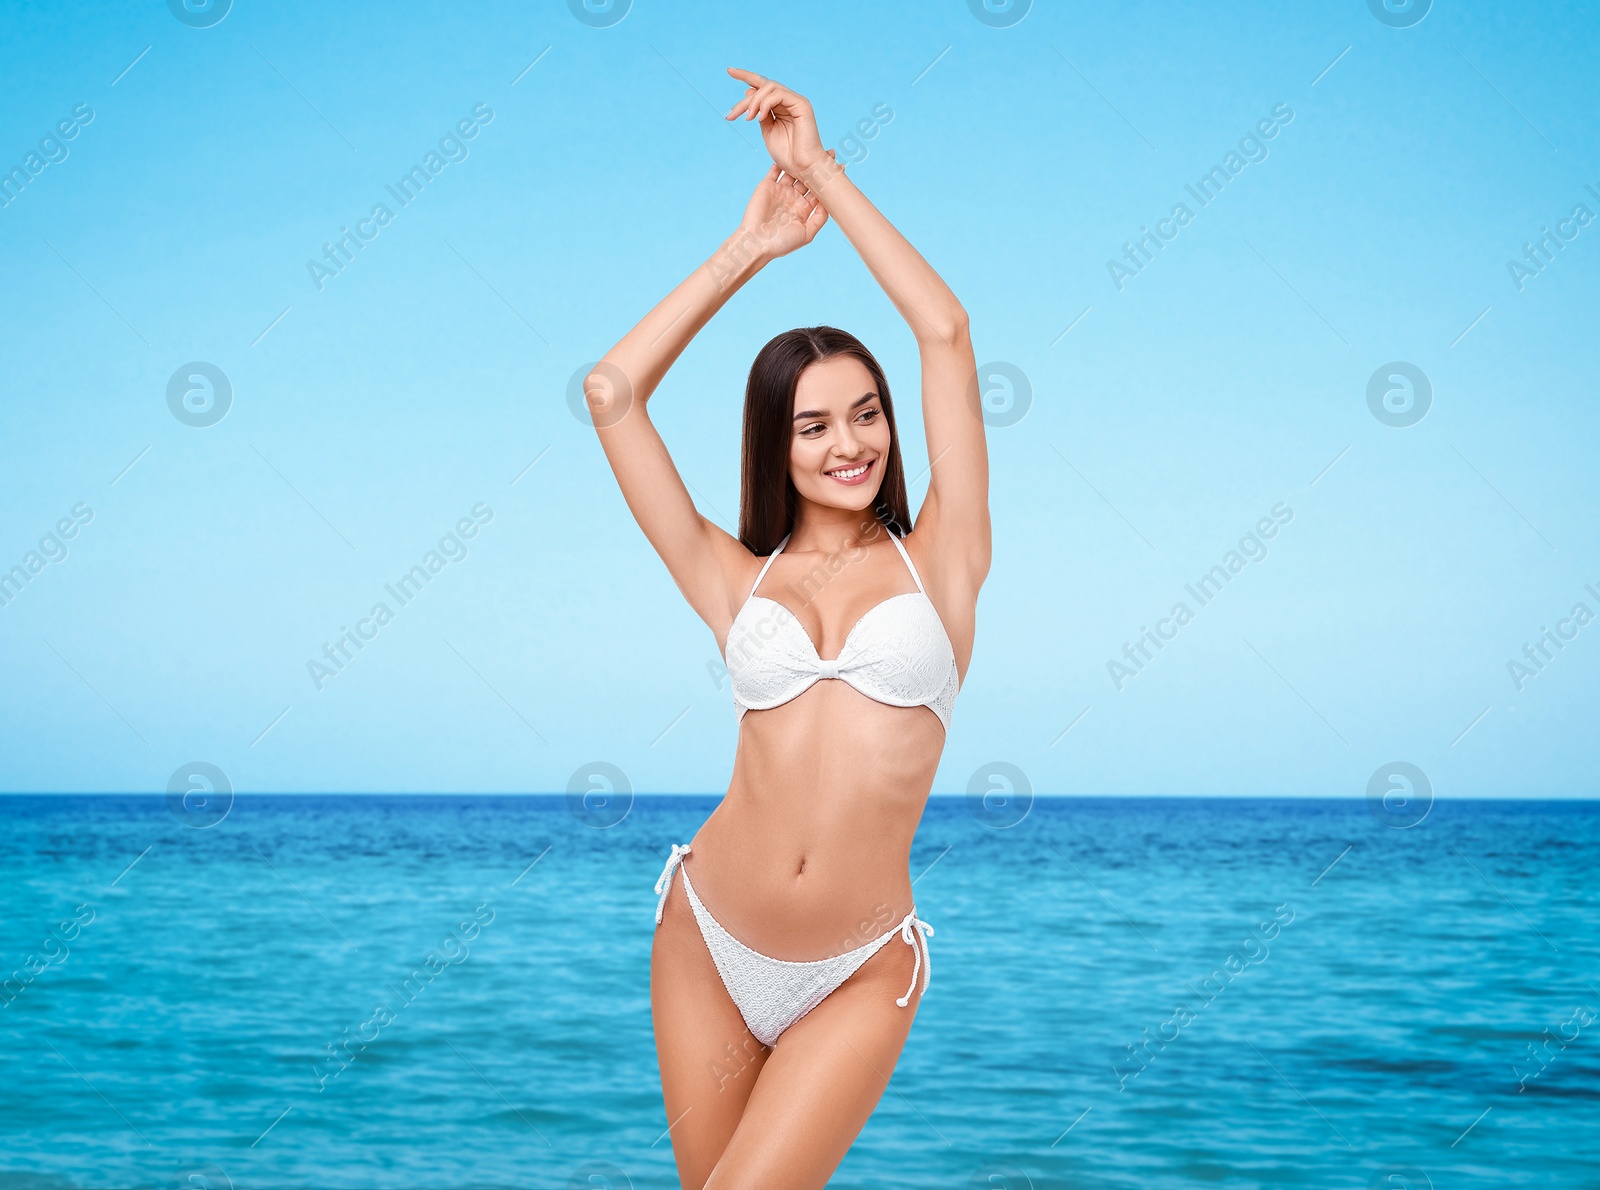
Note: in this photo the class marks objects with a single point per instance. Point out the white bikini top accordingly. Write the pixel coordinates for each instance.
(898, 653)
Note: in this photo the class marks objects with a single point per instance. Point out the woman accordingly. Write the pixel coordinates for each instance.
(788, 960)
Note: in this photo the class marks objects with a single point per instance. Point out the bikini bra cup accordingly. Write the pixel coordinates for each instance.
(897, 653)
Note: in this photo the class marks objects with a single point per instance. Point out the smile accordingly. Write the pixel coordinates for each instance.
(852, 475)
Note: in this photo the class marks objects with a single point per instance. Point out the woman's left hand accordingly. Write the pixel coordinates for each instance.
(781, 216)
(787, 124)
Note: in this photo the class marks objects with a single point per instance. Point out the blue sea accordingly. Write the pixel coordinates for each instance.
(1126, 993)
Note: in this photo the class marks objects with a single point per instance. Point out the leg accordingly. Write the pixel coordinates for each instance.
(709, 1059)
(822, 1080)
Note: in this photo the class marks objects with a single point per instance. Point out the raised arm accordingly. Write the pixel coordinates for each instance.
(704, 560)
(953, 522)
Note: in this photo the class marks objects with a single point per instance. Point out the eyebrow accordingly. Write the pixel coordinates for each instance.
(812, 413)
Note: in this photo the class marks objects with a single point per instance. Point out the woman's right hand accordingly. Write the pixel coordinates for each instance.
(787, 124)
(781, 216)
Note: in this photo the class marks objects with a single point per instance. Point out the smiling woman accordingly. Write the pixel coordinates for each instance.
(788, 453)
(844, 693)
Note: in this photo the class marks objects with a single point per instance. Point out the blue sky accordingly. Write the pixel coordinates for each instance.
(370, 411)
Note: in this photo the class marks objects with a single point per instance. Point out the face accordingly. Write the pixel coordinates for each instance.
(839, 443)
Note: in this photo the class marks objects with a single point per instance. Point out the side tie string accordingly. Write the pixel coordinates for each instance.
(664, 883)
(908, 932)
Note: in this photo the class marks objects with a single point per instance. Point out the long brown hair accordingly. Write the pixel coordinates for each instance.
(768, 501)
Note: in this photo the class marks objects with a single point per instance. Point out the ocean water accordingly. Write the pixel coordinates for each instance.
(1126, 993)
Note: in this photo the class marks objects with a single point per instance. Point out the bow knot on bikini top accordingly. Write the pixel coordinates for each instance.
(898, 653)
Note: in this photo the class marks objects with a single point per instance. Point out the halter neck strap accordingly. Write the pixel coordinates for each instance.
(907, 558)
(768, 563)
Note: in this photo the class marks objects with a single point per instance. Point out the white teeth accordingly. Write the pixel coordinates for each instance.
(851, 473)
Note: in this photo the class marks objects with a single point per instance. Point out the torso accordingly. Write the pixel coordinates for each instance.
(807, 855)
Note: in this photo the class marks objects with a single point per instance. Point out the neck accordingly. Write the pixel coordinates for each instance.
(834, 530)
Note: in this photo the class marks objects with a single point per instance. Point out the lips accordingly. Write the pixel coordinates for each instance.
(857, 473)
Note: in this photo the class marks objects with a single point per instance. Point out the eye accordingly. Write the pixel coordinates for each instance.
(816, 425)
(869, 414)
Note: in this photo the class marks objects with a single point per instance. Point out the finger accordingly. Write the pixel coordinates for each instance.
(772, 99)
(752, 79)
(767, 98)
(744, 102)
(759, 102)
(783, 102)
(753, 89)
(789, 98)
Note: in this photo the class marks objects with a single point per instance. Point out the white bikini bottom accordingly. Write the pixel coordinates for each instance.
(772, 994)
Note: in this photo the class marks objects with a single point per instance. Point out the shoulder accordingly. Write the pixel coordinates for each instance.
(735, 568)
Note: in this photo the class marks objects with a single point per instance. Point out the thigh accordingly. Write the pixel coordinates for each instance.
(822, 1080)
(709, 1058)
